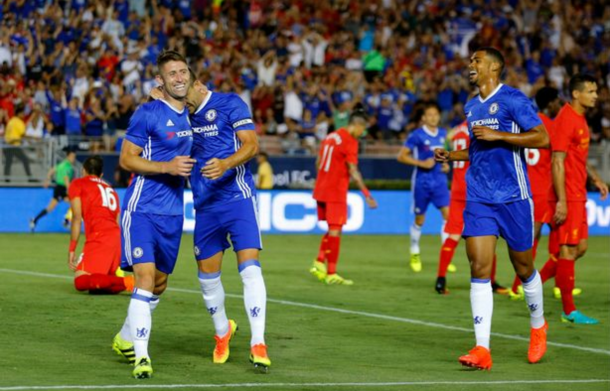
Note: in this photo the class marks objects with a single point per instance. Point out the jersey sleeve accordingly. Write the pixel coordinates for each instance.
(239, 115)
(523, 111)
(411, 141)
(560, 140)
(138, 128)
(74, 191)
(351, 152)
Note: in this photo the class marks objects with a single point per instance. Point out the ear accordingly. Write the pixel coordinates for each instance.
(159, 79)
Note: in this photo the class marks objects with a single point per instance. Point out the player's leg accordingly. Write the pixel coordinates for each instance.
(48, 209)
(453, 228)
(516, 221)
(97, 265)
(421, 199)
(517, 281)
(440, 199)
(318, 268)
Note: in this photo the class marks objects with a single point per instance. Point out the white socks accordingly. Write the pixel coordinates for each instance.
(532, 287)
(214, 299)
(126, 331)
(415, 233)
(255, 299)
(139, 319)
(482, 303)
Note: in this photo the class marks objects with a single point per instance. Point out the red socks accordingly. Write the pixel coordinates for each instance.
(447, 251)
(565, 282)
(323, 248)
(99, 283)
(549, 270)
(332, 253)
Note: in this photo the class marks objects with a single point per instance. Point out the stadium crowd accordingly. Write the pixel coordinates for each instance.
(80, 67)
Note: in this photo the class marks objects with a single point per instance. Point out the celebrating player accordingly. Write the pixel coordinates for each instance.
(157, 148)
(570, 145)
(455, 223)
(225, 202)
(336, 164)
(539, 174)
(429, 180)
(94, 200)
(64, 174)
(502, 121)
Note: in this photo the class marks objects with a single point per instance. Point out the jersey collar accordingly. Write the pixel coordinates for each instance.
(172, 107)
(205, 102)
(429, 132)
(492, 94)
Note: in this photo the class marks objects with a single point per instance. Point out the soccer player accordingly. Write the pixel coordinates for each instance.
(96, 201)
(570, 146)
(337, 162)
(64, 174)
(455, 223)
(157, 147)
(429, 180)
(501, 122)
(539, 174)
(224, 195)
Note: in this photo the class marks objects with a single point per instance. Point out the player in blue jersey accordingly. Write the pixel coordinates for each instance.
(224, 194)
(429, 180)
(157, 147)
(502, 121)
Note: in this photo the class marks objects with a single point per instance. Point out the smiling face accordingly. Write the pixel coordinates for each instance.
(175, 78)
(481, 68)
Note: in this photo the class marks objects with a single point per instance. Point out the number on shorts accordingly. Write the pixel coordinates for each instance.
(108, 198)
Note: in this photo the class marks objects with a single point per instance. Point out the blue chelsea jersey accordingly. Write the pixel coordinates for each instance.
(164, 133)
(215, 125)
(497, 172)
(422, 142)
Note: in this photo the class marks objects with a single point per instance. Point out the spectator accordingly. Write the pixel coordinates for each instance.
(264, 179)
(13, 136)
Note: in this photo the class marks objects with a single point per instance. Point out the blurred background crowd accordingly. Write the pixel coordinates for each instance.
(79, 68)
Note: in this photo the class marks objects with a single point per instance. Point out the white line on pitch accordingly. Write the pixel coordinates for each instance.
(350, 312)
(268, 385)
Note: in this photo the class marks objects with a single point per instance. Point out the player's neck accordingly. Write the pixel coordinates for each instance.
(175, 103)
(578, 108)
(487, 87)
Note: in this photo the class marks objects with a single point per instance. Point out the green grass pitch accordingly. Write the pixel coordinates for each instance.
(390, 331)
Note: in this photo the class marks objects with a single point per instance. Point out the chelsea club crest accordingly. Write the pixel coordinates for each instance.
(493, 109)
(210, 115)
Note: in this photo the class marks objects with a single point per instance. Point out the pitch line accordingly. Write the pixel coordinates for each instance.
(269, 385)
(350, 312)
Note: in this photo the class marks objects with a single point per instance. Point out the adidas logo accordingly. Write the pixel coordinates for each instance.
(169, 123)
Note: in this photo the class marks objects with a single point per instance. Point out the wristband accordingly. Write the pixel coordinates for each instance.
(72, 247)
(366, 193)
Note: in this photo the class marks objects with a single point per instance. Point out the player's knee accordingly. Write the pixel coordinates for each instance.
(582, 249)
(81, 283)
(480, 270)
(420, 219)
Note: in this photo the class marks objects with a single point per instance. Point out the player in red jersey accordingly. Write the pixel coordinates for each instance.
(539, 173)
(337, 162)
(460, 140)
(570, 147)
(95, 201)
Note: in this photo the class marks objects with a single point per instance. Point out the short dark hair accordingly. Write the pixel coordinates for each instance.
(546, 95)
(495, 55)
(577, 82)
(430, 104)
(94, 165)
(358, 113)
(167, 56)
(264, 154)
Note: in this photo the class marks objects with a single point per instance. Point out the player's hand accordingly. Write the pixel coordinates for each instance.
(156, 93)
(46, 183)
(214, 168)
(72, 260)
(428, 164)
(603, 189)
(441, 155)
(180, 166)
(486, 134)
(561, 212)
(371, 203)
(445, 167)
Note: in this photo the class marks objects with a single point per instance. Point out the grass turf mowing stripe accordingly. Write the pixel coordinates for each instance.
(268, 385)
(350, 312)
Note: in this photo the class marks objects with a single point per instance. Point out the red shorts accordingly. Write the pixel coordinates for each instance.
(455, 222)
(101, 254)
(334, 213)
(541, 210)
(575, 228)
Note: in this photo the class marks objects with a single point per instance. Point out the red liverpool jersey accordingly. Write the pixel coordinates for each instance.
(459, 141)
(99, 204)
(539, 164)
(571, 135)
(337, 149)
